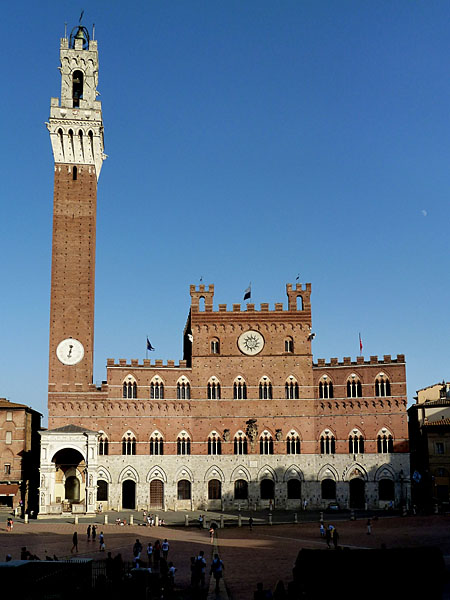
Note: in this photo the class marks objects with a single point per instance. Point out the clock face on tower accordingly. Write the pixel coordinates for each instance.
(250, 342)
(70, 351)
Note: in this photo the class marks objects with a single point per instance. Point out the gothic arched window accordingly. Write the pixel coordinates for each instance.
(293, 443)
(291, 390)
(266, 443)
(385, 443)
(129, 444)
(213, 389)
(214, 444)
(354, 387)
(382, 386)
(327, 443)
(356, 443)
(103, 444)
(289, 345)
(183, 444)
(265, 389)
(156, 390)
(129, 388)
(183, 390)
(239, 389)
(325, 388)
(156, 444)
(240, 443)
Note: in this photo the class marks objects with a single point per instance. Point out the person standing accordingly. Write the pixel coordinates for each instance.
(150, 554)
(74, 542)
(200, 564)
(156, 553)
(250, 523)
(335, 538)
(217, 570)
(101, 541)
(165, 548)
(322, 530)
(328, 537)
(369, 527)
(137, 549)
(211, 534)
(94, 532)
(171, 575)
(88, 532)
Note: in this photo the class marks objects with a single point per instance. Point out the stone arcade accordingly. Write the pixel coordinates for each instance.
(246, 418)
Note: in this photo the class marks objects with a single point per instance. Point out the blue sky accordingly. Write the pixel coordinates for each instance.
(247, 141)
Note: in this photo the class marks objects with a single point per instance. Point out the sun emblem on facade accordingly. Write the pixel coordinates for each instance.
(251, 343)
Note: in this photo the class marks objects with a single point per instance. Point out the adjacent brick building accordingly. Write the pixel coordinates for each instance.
(245, 418)
(19, 452)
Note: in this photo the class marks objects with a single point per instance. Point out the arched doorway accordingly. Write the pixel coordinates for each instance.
(102, 490)
(72, 489)
(357, 493)
(294, 489)
(156, 493)
(70, 477)
(129, 494)
(267, 489)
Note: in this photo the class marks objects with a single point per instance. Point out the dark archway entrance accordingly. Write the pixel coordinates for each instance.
(72, 488)
(357, 493)
(70, 477)
(129, 494)
(267, 489)
(156, 494)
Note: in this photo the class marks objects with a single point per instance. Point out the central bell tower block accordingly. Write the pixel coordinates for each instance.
(76, 134)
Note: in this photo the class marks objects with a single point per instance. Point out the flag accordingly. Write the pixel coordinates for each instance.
(191, 338)
(248, 292)
(298, 277)
(360, 344)
(149, 346)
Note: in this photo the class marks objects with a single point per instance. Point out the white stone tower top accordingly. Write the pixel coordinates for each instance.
(76, 126)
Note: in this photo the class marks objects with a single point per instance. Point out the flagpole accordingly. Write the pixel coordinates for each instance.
(146, 348)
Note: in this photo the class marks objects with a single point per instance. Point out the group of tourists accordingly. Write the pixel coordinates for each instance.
(198, 570)
(330, 534)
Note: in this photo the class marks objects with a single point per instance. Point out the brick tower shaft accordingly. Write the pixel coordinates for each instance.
(76, 134)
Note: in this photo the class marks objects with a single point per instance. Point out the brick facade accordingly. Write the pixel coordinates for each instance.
(19, 452)
(246, 417)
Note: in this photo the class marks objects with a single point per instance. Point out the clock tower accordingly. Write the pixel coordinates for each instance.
(76, 134)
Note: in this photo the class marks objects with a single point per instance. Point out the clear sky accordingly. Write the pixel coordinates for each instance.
(246, 141)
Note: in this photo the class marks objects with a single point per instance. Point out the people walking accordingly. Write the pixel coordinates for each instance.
(200, 564)
(250, 523)
(88, 532)
(74, 542)
(322, 530)
(101, 541)
(369, 527)
(217, 570)
(165, 548)
(94, 532)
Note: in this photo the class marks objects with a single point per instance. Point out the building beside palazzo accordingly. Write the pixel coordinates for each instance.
(246, 418)
(429, 431)
(19, 453)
